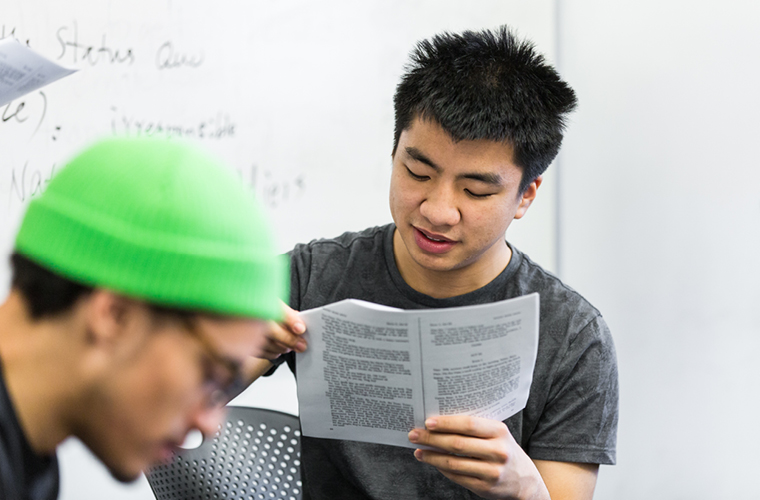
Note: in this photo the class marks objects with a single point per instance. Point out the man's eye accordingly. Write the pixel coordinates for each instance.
(476, 195)
(417, 177)
(211, 374)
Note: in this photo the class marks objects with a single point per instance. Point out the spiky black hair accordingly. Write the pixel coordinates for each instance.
(487, 85)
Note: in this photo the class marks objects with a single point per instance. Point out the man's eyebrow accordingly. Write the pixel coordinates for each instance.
(421, 157)
(485, 177)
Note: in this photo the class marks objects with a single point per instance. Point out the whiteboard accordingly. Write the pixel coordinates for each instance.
(297, 96)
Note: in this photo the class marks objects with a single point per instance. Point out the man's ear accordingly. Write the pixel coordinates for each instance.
(116, 328)
(528, 196)
(107, 317)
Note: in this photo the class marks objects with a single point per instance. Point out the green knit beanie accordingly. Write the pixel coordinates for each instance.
(158, 220)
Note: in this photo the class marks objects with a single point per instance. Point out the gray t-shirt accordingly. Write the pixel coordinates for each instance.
(570, 416)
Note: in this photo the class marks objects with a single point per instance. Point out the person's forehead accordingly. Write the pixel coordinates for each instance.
(481, 159)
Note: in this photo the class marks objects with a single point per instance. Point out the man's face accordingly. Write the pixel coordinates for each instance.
(161, 389)
(452, 203)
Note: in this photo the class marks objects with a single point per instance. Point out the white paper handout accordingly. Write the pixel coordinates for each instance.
(372, 373)
(22, 70)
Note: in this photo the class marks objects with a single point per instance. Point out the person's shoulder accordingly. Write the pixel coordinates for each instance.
(560, 303)
(348, 241)
(320, 270)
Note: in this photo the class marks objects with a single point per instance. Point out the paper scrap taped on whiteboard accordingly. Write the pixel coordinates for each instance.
(22, 70)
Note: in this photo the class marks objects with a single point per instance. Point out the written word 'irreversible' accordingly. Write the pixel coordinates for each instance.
(68, 39)
(216, 127)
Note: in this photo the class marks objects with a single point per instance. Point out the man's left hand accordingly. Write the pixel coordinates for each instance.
(481, 455)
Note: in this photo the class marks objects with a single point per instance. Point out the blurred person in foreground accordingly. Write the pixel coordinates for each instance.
(142, 281)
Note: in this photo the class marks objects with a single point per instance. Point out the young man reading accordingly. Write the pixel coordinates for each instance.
(479, 117)
(142, 280)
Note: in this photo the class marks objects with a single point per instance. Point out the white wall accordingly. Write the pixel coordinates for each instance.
(661, 230)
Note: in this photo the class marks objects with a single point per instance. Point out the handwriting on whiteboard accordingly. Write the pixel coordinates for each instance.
(11, 31)
(27, 182)
(170, 57)
(273, 189)
(35, 122)
(28, 112)
(218, 126)
(70, 45)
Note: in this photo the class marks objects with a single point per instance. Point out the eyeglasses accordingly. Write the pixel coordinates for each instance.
(224, 376)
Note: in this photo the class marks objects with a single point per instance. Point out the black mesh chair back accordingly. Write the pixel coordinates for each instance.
(255, 455)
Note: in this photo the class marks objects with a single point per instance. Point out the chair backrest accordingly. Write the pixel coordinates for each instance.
(255, 455)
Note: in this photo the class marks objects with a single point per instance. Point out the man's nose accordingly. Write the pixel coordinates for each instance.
(440, 208)
(208, 420)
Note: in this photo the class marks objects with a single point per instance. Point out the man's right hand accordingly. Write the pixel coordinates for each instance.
(281, 337)
(286, 335)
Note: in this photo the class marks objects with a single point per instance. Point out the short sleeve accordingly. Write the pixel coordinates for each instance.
(579, 421)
